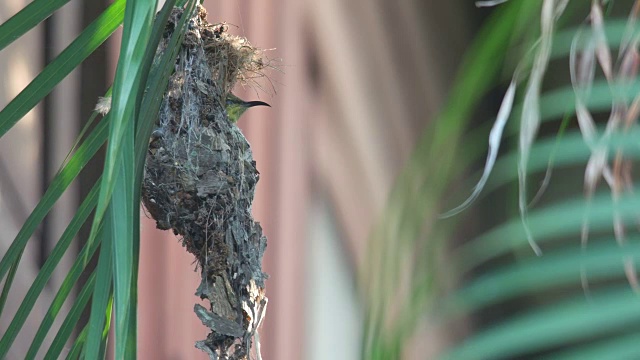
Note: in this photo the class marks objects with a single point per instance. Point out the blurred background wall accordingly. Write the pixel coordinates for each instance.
(356, 83)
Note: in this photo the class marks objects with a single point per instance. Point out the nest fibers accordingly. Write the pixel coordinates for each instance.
(200, 180)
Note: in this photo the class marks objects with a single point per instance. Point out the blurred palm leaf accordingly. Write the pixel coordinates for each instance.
(138, 87)
(396, 249)
(570, 287)
(581, 296)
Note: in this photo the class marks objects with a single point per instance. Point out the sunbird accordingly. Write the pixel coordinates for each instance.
(236, 106)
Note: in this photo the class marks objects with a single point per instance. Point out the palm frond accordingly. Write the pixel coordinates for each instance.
(395, 248)
(583, 294)
(138, 87)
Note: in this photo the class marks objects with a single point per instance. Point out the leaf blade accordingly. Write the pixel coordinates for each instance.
(89, 40)
(26, 19)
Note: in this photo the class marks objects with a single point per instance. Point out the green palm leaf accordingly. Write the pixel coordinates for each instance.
(577, 318)
(88, 41)
(47, 269)
(575, 311)
(27, 19)
(71, 320)
(424, 178)
(582, 299)
(140, 81)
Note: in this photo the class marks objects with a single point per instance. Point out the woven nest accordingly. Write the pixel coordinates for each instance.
(200, 180)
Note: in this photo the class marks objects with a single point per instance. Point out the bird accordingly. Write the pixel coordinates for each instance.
(236, 106)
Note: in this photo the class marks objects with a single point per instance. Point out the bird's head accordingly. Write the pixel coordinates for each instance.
(236, 107)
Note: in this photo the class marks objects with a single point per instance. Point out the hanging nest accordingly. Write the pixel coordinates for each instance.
(200, 180)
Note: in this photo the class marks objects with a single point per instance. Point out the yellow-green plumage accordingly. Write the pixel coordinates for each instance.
(236, 106)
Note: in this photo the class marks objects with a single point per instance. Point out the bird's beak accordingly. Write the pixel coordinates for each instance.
(256, 103)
